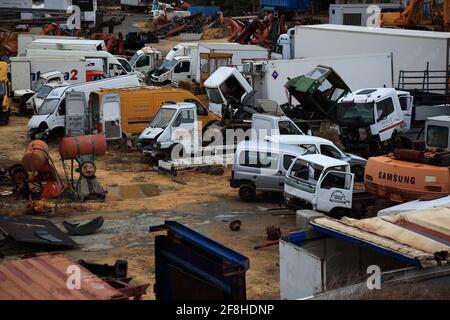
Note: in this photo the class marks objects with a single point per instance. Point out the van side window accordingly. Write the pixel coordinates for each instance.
(187, 116)
(310, 148)
(256, 159)
(62, 108)
(384, 108)
(330, 151)
(201, 110)
(287, 161)
(404, 103)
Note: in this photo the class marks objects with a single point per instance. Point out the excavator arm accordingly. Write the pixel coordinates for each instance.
(417, 13)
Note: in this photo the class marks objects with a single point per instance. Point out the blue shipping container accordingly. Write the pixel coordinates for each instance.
(206, 10)
(286, 4)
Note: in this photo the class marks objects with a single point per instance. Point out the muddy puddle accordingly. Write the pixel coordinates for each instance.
(133, 191)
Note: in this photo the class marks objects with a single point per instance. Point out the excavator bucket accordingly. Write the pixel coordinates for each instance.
(318, 91)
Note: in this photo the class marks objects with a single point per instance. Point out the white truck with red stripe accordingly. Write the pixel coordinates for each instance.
(381, 118)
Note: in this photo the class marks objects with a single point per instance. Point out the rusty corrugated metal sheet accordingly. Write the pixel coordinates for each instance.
(44, 278)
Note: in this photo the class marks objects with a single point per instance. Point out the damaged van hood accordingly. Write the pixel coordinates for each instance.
(150, 133)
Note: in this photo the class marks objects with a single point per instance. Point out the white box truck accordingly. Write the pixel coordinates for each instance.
(51, 117)
(268, 77)
(412, 49)
(24, 39)
(28, 74)
(358, 14)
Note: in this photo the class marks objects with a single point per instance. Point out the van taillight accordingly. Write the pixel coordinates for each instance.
(99, 127)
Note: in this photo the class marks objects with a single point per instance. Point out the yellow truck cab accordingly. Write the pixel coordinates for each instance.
(128, 111)
(5, 93)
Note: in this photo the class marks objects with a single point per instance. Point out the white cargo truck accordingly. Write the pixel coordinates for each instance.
(29, 74)
(358, 14)
(24, 39)
(268, 77)
(145, 59)
(412, 49)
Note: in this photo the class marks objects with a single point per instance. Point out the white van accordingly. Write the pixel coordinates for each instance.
(50, 118)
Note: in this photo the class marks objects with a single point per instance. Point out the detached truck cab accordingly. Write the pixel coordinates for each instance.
(322, 183)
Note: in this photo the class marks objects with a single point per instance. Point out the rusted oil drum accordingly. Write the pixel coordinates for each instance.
(36, 156)
(72, 147)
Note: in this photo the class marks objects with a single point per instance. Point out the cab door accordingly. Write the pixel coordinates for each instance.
(202, 112)
(182, 71)
(387, 120)
(111, 117)
(184, 130)
(335, 190)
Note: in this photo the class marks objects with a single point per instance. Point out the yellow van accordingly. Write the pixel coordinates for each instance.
(5, 93)
(127, 111)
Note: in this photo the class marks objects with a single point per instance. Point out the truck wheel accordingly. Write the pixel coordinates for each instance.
(4, 117)
(247, 193)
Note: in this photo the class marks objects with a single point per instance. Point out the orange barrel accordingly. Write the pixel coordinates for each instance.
(73, 147)
(36, 156)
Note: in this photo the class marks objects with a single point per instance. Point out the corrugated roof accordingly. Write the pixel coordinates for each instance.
(421, 235)
(44, 278)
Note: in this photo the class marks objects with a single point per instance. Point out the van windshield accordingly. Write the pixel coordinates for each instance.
(44, 91)
(355, 113)
(162, 118)
(48, 106)
(133, 58)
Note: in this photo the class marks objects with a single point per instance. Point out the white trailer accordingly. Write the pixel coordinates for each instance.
(412, 49)
(25, 38)
(239, 54)
(63, 44)
(268, 77)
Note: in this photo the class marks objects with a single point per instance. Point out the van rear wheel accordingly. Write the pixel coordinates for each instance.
(247, 193)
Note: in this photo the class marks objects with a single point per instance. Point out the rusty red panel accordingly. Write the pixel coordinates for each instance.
(44, 278)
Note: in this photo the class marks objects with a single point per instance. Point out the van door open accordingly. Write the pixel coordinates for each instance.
(75, 118)
(335, 190)
(110, 116)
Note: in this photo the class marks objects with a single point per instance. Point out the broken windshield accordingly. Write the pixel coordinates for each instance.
(162, 118)
(44, 91)
(167, 65)
(355, 113)
(38, 84)
(48, 106)
(214, 95)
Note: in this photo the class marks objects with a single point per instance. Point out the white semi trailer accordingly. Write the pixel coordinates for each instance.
(412, 49)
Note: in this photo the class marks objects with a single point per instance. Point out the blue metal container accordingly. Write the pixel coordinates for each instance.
(286, 4)
(206, 10)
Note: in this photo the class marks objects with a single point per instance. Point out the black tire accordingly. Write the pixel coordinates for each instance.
(4, 117)
(247, 193)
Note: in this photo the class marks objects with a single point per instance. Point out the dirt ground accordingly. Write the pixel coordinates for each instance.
(139, 198)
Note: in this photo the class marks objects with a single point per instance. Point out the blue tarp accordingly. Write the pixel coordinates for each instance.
(206, 10)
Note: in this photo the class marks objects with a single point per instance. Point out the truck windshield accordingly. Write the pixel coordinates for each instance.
(355, 113)
(167, 65)
(2, 88)
(44, 91)
(134, 58)
(38, 84)
(48, 106)
(437, 136)
(162, 118)
(214, 95)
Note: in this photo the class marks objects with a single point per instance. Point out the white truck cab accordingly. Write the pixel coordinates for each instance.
(266, 125)
(176, 69)
(145, 59)
(323, 183)
(174, 126)
(224, 83)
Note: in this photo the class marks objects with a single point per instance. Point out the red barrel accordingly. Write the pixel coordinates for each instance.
(35, 157)
(72, 147)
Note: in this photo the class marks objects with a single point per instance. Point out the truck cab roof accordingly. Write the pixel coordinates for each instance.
(264, 146)
(50, 74)
(444, 118)
(371, 94)
(324, 161)
(180, 105)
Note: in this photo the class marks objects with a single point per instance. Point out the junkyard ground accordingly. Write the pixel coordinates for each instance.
(139, 197)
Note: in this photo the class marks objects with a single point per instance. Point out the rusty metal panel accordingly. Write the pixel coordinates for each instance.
(44, 278)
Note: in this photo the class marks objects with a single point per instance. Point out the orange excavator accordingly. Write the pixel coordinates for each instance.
(420, 14)
(414, 174)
